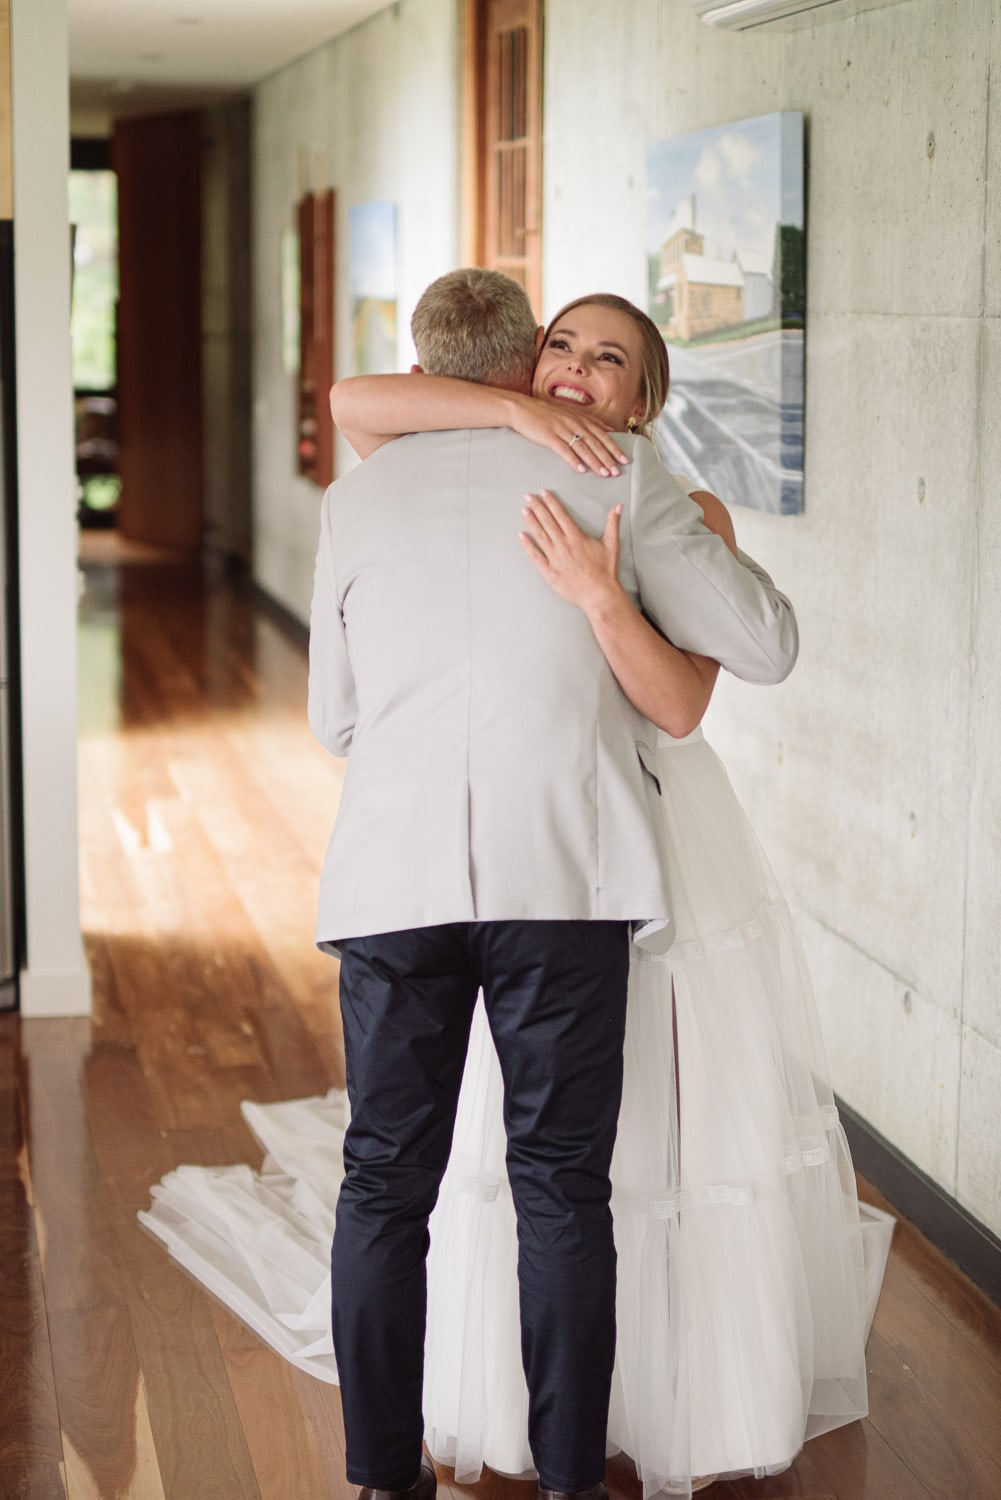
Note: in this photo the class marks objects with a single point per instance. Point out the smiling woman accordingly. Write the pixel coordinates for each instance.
(602, 353)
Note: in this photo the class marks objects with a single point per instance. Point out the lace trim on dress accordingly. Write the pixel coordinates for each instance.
(825, 1118)
(719, 942)
(672, 1204)
(485, 1188)
(715, 942)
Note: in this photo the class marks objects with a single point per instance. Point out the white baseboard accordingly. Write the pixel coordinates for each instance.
(60, 992)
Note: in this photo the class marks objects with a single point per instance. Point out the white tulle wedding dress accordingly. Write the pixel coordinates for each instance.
(748, 1274)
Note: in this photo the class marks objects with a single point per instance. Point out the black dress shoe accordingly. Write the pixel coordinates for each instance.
(596, 1492)
(424, 1487)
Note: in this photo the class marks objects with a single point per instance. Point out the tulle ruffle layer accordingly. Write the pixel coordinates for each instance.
(747, 1274)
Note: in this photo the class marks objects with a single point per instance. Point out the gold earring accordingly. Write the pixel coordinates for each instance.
(632, 424)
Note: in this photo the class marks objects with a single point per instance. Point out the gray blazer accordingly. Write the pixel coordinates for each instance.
(495, 768)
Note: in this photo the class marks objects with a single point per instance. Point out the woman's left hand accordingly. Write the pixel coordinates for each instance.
(581, 441)
(582, 569)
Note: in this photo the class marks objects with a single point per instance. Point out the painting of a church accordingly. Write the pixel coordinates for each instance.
(727, 290)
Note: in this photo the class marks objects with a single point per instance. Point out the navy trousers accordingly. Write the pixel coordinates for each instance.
(555, 996)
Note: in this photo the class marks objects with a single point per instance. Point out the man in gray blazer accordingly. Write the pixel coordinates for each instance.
(498, 828)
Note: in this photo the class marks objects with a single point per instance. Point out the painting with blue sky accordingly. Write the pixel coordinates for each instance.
(373, 287)
(727, 262)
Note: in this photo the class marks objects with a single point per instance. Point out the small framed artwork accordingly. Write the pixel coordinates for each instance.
(290, 282)
(373, 287)
(727, 288)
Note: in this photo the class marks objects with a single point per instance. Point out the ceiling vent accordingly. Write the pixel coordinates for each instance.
(743, 15)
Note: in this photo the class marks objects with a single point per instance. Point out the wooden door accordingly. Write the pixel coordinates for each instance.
(158, 162)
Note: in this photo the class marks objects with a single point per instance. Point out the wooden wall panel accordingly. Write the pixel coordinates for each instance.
(316, 223)
(502, 138)
(158, 161)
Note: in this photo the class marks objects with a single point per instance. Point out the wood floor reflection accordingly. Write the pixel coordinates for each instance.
(205, 810)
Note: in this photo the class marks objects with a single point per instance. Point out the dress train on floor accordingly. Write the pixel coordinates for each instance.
(748, 1274)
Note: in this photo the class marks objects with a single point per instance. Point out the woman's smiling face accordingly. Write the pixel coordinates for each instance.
(593, 358)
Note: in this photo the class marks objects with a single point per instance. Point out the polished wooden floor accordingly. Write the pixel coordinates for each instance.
(205, 809)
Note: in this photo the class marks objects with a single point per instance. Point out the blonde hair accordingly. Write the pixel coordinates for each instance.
(655, 377)
(478, 325)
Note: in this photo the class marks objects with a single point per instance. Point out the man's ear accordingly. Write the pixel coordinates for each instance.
(540, 334)
(417, 369)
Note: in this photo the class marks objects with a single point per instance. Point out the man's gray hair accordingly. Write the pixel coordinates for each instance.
(477, 325)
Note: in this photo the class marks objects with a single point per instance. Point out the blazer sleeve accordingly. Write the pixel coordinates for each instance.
(693, 588)
(332, 700)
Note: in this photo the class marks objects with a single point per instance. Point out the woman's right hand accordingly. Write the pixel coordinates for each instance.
(582, 569)
(584, 443)
(671, 687)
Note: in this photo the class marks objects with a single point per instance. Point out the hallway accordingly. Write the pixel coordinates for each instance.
(205, 811)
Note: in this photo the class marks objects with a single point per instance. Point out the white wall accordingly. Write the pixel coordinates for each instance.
(872, 775)
(378, 108)
(55, 979)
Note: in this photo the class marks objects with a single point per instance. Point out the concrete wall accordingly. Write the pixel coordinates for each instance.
(872, 775)
(374, 115)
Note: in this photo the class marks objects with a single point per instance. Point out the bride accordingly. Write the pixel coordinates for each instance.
(747, 1273)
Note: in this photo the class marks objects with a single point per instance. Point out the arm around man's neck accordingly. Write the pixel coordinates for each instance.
(370, 410)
